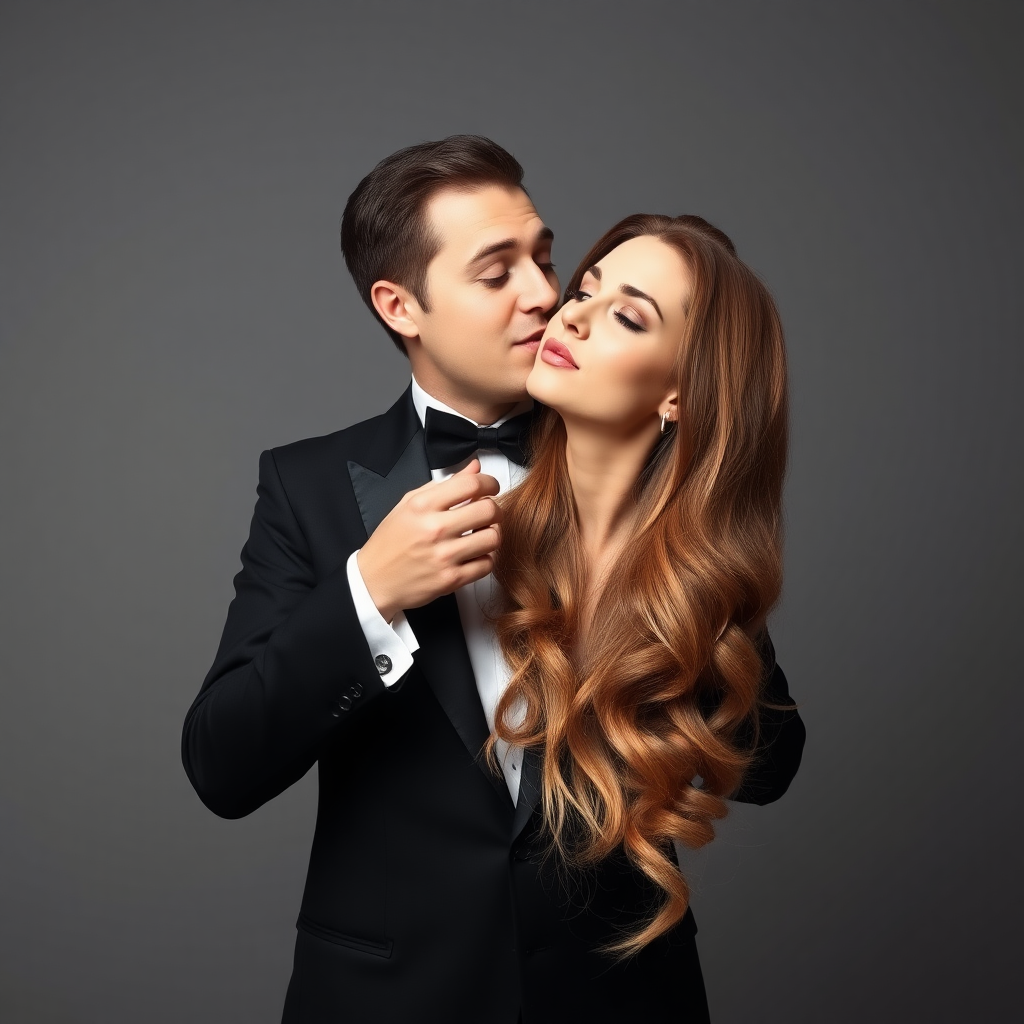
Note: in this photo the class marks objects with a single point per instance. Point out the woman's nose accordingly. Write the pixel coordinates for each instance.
(575, 318)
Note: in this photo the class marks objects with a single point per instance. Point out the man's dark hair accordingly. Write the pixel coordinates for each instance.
(384, 230)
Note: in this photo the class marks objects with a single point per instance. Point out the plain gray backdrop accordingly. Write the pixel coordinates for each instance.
(173, 301)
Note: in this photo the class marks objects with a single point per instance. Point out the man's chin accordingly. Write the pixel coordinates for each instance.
(508, 388)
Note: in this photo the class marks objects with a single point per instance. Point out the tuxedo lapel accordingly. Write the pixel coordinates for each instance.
(442, 657)
(393, 462)
(377, 495)
(445, 662)
(529, 790)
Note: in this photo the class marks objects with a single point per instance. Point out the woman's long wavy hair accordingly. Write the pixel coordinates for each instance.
(637, 711)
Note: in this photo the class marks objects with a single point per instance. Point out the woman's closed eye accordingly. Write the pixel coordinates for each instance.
(636, 326)
(629, 318)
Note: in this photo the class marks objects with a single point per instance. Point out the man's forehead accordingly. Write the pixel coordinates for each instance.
(465, 220)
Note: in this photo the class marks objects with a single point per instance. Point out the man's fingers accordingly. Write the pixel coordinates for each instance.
(474, 545)
(475, 569)
(438, 538)
(461, 487)
(474, 516)
(468, 484)
(469, 471)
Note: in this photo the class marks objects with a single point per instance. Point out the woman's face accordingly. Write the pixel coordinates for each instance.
(608, 353)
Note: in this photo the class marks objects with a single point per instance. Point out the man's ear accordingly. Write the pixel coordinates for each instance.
(397, 308)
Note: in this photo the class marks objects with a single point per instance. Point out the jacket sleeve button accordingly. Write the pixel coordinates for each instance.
(383, 663)
(355, 690)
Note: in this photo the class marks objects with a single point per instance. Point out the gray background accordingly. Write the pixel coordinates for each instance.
(173, 301)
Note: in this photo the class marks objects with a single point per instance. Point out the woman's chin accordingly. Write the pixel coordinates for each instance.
(535, 386)
(543, 385)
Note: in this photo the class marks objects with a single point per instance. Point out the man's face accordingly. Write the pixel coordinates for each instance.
(490, 289)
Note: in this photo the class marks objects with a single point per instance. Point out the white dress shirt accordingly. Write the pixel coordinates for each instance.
(396, 639)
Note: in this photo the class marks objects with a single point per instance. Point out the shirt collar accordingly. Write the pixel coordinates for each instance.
(422, 401)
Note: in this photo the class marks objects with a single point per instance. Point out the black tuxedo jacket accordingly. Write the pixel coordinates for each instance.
(428, 897)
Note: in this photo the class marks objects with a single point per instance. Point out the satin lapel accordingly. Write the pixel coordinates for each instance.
(529, 790)
(442, 657)
(377, 495)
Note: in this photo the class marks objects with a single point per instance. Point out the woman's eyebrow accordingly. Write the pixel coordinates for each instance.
(628, 289)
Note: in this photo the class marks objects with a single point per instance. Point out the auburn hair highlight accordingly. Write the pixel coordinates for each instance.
(637, 711)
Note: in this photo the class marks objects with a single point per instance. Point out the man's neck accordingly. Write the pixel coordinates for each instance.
(479, 411)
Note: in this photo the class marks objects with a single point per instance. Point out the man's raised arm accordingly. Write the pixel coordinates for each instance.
(294, 664)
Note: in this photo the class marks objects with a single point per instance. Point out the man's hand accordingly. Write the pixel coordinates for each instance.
(418, 552)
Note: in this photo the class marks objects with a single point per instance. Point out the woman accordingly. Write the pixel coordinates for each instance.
(639, 560)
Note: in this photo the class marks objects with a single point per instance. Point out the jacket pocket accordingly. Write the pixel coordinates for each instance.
(376, 948)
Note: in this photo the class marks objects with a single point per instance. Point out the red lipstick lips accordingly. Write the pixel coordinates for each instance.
(556, 354)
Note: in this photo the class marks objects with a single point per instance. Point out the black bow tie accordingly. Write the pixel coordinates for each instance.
(451, 439)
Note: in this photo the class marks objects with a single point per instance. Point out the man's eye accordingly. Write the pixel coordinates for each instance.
(630, 325)
(546, 265)
(494, 282)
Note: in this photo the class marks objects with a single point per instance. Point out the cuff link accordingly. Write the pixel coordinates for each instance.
(383, 663)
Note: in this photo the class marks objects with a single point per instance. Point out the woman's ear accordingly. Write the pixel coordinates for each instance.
(669, 408)
(397, 307)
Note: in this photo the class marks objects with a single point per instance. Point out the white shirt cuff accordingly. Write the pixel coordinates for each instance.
(391, 644)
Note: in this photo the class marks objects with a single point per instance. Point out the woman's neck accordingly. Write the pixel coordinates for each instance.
(603, 469)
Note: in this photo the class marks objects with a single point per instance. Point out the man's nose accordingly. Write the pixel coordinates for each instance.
(539, 294)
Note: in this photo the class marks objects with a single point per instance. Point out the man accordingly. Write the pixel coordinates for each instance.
(357, 641)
